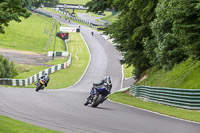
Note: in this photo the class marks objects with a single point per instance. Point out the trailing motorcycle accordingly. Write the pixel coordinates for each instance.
(97, 96)
(40, 85)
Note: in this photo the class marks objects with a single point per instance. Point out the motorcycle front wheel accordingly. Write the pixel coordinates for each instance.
(38, 87)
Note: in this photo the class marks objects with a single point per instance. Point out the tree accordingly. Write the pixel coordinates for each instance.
(131, 28)
(163, 49)
(175, 33)
(99, 5)
(186, 25)
(27, 4)
(11, 10)
(7, 69)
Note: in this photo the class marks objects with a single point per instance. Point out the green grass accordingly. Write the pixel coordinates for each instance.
(31, 34)
(128, 71)
(163, 109)
(9, 125)
(51, 10)
(25, 71)
(78, 2)
(80, 59)
(183, 75)
(57, 61)
(65, 77)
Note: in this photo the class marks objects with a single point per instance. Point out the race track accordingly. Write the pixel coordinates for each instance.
(63, 109)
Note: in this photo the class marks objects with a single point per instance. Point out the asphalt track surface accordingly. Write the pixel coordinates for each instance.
(63, 109)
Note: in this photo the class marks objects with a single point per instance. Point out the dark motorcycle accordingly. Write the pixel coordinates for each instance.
(40, 85)
(97, 96)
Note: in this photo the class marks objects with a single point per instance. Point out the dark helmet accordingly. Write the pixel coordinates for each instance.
(45, 74)
(107, 80)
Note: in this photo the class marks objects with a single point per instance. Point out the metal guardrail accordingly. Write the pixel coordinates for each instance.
(183, 98)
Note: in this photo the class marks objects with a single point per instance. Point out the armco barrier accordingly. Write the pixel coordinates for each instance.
(183, 98)
(34, 78)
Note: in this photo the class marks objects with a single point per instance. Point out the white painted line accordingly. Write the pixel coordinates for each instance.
(154, 112)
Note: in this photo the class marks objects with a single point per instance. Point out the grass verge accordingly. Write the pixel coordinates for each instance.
(32, 34)
(9, 125)
(191, 115)
(128, 71)
(80, 59)
(65, 77)
(78, 2)
(183, 75)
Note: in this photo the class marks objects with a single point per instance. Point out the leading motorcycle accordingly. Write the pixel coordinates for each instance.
(40, 85)
(97, 96)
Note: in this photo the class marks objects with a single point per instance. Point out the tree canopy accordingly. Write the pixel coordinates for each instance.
(11, 10)
(152, 32)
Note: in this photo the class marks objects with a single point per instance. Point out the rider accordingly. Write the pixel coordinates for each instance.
(106, 82)
(46, 79)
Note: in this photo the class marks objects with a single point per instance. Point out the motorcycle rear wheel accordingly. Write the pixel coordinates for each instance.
(97, 100)
(38, 87)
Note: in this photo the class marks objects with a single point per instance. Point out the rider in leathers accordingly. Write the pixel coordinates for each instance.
(46, 79)
(106, 82)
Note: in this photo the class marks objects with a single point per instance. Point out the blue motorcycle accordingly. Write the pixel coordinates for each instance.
(97, 96)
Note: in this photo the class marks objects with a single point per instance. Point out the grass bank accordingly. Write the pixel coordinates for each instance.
(9, 125)
(163, 109)
(78, 2)
(128, 71)
(65, 77)
(32, 34)
(80, 59)
(183, 75)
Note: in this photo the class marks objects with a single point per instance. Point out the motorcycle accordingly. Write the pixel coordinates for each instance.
(97, 96)
(40, 85)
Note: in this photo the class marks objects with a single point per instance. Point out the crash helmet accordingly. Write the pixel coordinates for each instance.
(107, 80)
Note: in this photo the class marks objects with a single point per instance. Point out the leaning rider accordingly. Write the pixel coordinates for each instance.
(46, 79)
(106, 82)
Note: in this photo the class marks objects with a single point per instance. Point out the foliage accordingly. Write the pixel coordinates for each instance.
(99, 5)
(130, 29)
(7, 69)
(154, 33)
(27, 4)
(11, 10)
(186, 25)
(163, 49)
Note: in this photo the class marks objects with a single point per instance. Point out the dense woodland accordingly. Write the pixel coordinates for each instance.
(158, 33)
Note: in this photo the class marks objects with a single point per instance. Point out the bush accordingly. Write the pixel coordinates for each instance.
(7, 69)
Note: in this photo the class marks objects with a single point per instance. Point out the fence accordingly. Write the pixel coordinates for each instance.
(183, 98)
(34, 78)
(77, 19)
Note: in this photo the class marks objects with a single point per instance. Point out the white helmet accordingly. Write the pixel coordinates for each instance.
(107, 80)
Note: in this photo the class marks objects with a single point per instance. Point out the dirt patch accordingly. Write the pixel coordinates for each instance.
(25, 57)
